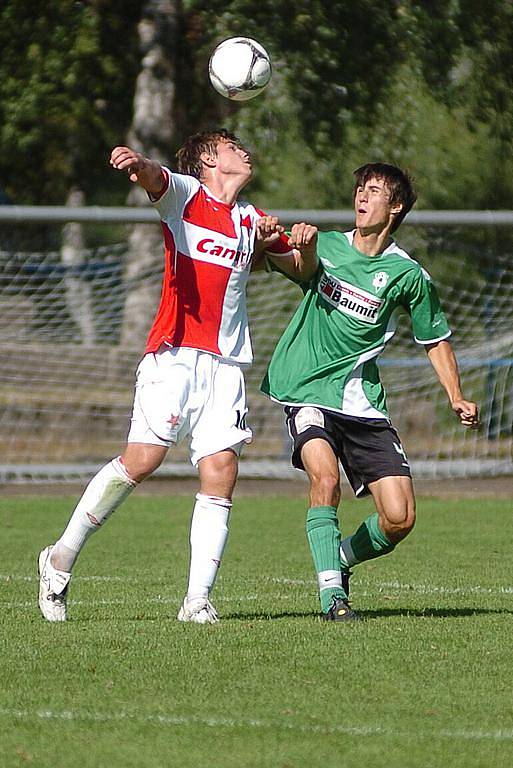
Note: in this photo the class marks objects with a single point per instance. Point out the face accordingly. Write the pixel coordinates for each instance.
(233, 159)
(372, 206)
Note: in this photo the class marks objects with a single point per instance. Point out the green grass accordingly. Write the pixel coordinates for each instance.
(425, 682)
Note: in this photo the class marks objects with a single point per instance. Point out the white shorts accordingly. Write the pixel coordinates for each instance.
(181, 391)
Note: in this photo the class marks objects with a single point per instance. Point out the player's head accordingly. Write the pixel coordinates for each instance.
(397, 183)
(193, 157)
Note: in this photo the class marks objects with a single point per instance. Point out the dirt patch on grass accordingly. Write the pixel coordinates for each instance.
(469, 488)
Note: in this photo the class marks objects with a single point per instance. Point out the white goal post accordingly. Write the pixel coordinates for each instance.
(68, 288)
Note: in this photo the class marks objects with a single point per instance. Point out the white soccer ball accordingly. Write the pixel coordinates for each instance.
(239, 68)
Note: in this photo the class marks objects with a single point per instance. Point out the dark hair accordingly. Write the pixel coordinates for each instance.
(398, 183)
(189, 154)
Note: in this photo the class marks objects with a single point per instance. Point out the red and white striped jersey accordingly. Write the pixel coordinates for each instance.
(208, 250)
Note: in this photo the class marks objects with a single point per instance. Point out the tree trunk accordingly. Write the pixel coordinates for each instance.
(78, 288)
(151, 133)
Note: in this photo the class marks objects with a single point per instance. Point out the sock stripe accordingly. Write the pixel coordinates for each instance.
(347, 556)
(119, 466)
(329, 579)
(220, 501)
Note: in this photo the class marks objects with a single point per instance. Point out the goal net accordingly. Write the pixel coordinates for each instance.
(75, 306)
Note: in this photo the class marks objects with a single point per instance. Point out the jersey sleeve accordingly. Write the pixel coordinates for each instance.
(280, 247)
(423, 304)
(177, 190)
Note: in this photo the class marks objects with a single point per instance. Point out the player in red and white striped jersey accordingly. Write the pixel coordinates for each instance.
(190, 380)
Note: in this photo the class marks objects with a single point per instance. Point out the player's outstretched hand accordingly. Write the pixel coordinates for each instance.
(302, 234)
(304, 237)
(126, 159)
(148, 173)
(467, 412)
(268, 229)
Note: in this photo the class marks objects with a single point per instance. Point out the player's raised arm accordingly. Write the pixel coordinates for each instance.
(301, 262)
(303, 238)
(443, 360)
(268, 231)
(148, 173)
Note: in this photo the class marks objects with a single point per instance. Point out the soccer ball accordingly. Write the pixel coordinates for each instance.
(239, 68)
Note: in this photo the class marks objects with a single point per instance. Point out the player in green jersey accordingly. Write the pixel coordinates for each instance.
(324, 371)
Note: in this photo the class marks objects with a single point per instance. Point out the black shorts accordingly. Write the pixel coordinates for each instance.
(368, 449)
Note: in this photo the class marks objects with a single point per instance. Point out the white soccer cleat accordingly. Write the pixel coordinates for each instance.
(198, 610)
(53, 588)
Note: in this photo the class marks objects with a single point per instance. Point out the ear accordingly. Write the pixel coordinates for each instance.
(208, 159)
(397, 208)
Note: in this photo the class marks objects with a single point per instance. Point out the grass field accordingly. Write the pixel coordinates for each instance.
(425, 682)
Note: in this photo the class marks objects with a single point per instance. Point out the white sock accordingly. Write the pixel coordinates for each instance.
(108, 488)
(209, 531)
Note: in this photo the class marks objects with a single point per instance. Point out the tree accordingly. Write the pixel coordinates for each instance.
(66, 82)
(322, 47)
(68, 72)
(152, 133)
(487, 31)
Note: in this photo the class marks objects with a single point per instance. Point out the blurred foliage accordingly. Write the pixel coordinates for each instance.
(336, 55)
(66, 87)
(426, 84)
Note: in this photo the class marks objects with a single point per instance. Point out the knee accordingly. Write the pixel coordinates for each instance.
(399, 520)
(141, 472)
(325, 489)
(219, 464)
(141, 466)
(407, 523)
(218, 474)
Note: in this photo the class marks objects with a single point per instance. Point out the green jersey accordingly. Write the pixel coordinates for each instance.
(328, 354)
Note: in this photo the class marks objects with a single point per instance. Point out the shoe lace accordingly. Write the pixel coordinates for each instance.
(60, 598)
(211, 610)
(57, 599)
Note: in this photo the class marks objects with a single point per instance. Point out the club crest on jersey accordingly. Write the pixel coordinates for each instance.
(349, 299)
(380, 280)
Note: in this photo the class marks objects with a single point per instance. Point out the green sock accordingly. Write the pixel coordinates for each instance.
(366, 543)
(324, 539)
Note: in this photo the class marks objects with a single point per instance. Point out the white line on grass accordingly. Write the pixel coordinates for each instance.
(430, 589)
(170, 600)
(17, 577)
(372, 586)
(424, 589)
(222, 722)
